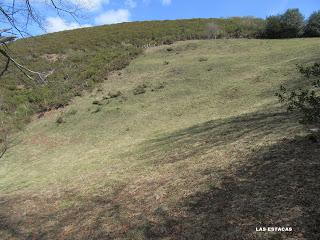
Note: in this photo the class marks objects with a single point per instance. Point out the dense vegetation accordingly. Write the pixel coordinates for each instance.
(312, 28)
(291, 24)
(83, 57)
(78, 59)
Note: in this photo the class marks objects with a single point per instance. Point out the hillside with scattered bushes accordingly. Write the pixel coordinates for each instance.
(164, 130)
(77, 60)
(186, 142)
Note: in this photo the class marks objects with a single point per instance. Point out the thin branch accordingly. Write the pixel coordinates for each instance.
(25, 10)
(41, 76)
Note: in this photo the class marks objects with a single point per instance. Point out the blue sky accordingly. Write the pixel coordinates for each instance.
(99, 12)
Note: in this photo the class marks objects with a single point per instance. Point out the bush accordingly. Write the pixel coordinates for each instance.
(98, 109)
(140, 89)
(60, 120)
(114, 94)
(203, 59)
(97, 102)
(305, 101)
(167, 41)
(312, 28)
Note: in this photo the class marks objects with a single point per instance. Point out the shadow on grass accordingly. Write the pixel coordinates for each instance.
(277, 186)
(201, 139)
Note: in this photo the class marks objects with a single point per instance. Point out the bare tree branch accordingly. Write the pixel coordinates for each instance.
(19, 15)
(41, 77)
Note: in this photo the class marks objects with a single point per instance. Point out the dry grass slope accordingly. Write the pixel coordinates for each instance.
(203, 152)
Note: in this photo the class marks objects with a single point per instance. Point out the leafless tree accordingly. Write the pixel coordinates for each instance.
(213, 30)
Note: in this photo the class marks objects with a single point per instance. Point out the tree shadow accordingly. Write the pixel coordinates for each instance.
(276, 185)
(279, 186)
(203, 138)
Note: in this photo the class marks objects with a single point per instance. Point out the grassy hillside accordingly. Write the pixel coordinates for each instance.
(195, 146)
(81, 58)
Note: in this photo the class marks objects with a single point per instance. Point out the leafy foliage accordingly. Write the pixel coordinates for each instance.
(291, 23)
(305, 100)
(313, 26)
(273, 27)
(288, 25)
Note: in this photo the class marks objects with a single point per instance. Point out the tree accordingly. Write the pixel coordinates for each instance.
(306, 100)
(273, 27)
(288, 25)
(214, 30)
(312, 28)
(291, 22)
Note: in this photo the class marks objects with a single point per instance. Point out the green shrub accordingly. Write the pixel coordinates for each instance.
(60, 120)
(305, 101)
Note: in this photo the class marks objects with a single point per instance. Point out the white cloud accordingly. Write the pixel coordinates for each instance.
(113, 16)
(130, 3)
(166, 2)
(57, 24)
(90, 5)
